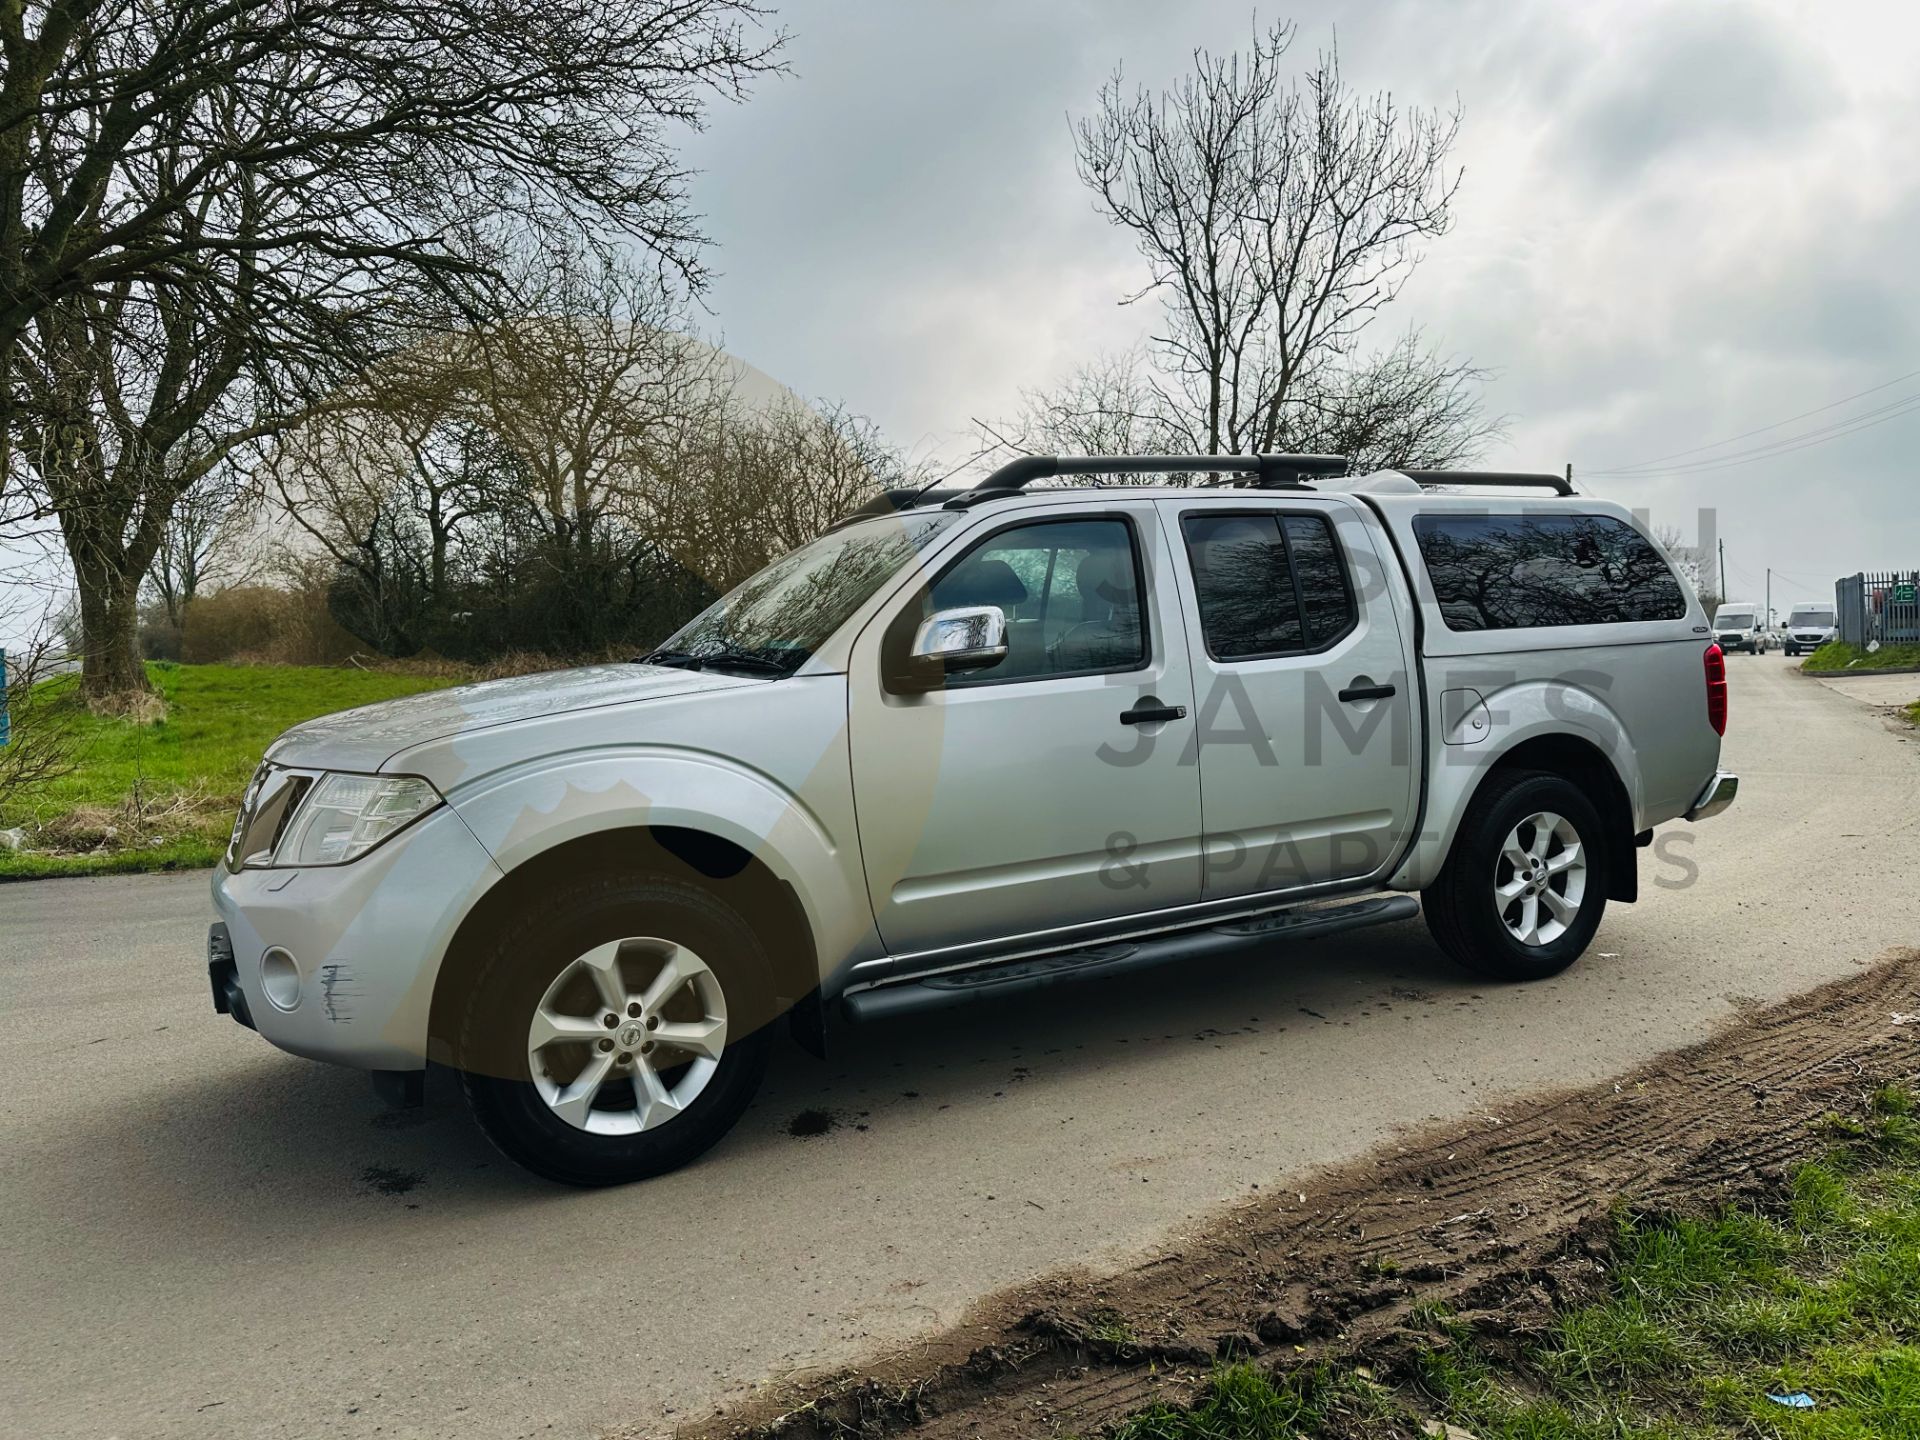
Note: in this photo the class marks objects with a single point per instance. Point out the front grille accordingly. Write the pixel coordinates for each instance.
(265, 813)
(249, 799)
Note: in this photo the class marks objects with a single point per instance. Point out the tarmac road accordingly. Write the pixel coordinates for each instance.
(204, 1237)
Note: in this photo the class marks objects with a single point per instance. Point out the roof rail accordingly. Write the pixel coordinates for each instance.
(1513, 479)
(893, 501)
(1268, 471)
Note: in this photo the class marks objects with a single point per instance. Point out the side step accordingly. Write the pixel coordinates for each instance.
(939, 992)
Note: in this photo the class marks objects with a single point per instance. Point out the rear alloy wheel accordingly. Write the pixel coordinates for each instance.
(616, 1029)
(1540, 878)
(1524, 886)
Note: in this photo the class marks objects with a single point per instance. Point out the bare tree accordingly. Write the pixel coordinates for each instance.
(1278, 218)
(754, 485)
(595, 385)
(192, 542)
(1111, 405)
(210, 213)
(43, 739)
(382, 485)
(1691, 563)
(1405, 407)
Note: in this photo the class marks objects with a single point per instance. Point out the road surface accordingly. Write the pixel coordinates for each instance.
(204, 1237)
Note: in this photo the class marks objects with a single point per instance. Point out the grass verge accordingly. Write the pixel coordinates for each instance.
(1813, 1297)
(160, 795)
(1841, 656)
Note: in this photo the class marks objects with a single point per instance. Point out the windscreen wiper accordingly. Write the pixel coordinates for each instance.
(681, 659)
(716, 660)
(741, 660)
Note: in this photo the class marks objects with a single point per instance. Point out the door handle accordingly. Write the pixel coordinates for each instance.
(1145, 714)
(1367, 692)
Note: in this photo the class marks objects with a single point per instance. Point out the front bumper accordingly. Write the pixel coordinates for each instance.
(224, 976)
(1716, 797)
(365, 940)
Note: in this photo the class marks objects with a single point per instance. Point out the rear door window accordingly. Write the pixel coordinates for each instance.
(1267, 583)
(1512, 572)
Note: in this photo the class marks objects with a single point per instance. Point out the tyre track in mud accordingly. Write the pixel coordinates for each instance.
(1500, 1216)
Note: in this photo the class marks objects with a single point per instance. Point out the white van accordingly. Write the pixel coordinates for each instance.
(1809, 627)
(1738, 626)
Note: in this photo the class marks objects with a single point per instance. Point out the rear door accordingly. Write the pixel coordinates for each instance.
(1303, 691)
(1035, 795)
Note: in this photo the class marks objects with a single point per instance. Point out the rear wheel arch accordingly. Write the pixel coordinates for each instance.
(733, 875)
(1587, 765)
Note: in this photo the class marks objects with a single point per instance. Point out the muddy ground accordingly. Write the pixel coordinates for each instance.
(1504, 1218)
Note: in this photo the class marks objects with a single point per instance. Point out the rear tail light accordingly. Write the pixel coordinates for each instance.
(1717, 689)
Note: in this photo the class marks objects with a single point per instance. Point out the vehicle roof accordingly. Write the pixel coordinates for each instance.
(1026, 477)
(1392, 501)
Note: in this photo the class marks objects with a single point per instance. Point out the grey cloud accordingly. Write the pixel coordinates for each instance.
(1701, 77)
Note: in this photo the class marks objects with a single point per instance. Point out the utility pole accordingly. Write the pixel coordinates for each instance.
(1723, 572)
(1769, 597)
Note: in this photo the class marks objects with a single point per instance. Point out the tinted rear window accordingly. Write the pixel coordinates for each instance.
(1511, 572)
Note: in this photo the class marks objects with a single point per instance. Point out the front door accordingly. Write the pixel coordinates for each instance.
(1034, 795)
(1304, 694)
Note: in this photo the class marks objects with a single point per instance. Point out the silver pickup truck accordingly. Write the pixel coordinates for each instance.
(965, 745)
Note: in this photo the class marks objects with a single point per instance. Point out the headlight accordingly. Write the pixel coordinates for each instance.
(343, 816)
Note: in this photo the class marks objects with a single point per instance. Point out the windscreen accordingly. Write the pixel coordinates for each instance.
(1811, 618)
(784, 613)
(1734, 620)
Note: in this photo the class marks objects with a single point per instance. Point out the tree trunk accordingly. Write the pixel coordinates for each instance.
(110, 663)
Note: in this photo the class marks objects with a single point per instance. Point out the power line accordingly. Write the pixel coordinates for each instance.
(1761, 430)
(1790, 444)
(1787, 445)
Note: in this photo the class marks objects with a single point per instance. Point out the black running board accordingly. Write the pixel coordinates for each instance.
(957, 987)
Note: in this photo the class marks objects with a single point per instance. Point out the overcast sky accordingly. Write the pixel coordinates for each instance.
(1679, 222)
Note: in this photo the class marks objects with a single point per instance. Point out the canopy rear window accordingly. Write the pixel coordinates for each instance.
(1512, 572)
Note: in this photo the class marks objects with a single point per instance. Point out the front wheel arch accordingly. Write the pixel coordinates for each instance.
(733, 875)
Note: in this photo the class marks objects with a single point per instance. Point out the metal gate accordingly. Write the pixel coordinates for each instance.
(1883, 606)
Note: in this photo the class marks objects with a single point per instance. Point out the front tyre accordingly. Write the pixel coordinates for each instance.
(1525, 884)
(616, 1029)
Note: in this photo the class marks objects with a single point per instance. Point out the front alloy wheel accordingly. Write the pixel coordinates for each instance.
(616, 1028)
(627, 1036)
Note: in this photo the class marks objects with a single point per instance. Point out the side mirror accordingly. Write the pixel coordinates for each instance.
(948, 642)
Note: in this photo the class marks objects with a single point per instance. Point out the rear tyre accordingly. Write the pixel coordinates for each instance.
(1525, 884)
(616, 1029)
